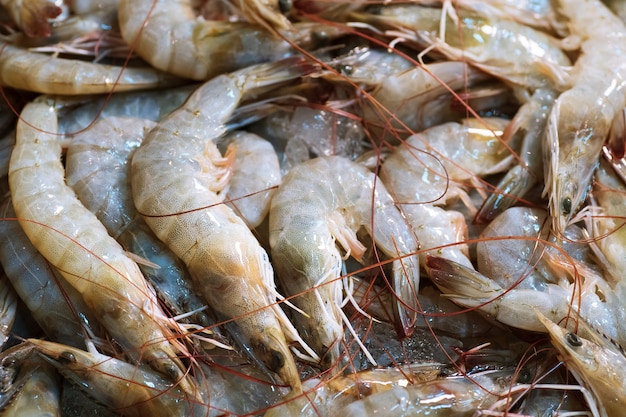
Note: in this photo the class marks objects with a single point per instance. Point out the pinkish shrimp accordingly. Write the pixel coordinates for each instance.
(72, 239)
(324, 202)
(32, 16)
(177, 175)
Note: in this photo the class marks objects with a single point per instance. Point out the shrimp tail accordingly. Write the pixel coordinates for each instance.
(458, 281)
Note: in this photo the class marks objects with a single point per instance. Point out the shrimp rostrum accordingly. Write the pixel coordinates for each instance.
(322, 202)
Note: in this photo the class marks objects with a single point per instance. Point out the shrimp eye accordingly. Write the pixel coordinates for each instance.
(67, 357)
(285, 5)
(347, 69)
(566, 205)
(573, 340)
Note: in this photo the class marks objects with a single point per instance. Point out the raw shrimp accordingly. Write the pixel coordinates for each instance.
(595, 361)
(256, 174)
(177, 173)
(530, 121)
(72, 239)
(593, 298)
(32, 16)
(513, 52)
(133, 390)
(428, 170)
(167, 35)
(55, 305)
(323, 398)
(451, 396)
(580, 120)
(41, 73)
(98, 170)
(325, 201)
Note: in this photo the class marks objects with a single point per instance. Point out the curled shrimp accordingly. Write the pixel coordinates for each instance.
(429, 170)
(167, 35)
(322, 202)
(77, 244)
(177, 173)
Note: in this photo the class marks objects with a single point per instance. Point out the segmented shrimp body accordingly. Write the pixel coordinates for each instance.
(77, 244)
(177, 174)
(167, 34)
(429, 169)
(580, 120)
(33, 71)
(325, 201)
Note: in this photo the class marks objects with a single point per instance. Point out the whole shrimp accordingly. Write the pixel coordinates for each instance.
(97, 165)
(33, 71)
(430, 168)
(595, 362)
(580, 120)
(518, 54)
(167, 34)
(72, 239)
(177, 173)
(320, 203)
(131, 389)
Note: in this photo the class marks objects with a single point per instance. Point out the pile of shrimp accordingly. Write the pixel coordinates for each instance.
(313, 208)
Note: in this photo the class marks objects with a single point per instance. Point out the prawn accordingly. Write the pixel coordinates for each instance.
(325, 201)
(166, 34)
(595, 362)
(530, 122)
(98, 164)
(82, 250)
(427, 171)
(134, 390)
(515, 53)
(176, 175)
(33, 71)
(581, 117)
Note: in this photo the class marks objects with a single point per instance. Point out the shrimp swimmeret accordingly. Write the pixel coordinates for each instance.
(72, 239)
(177, 176)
